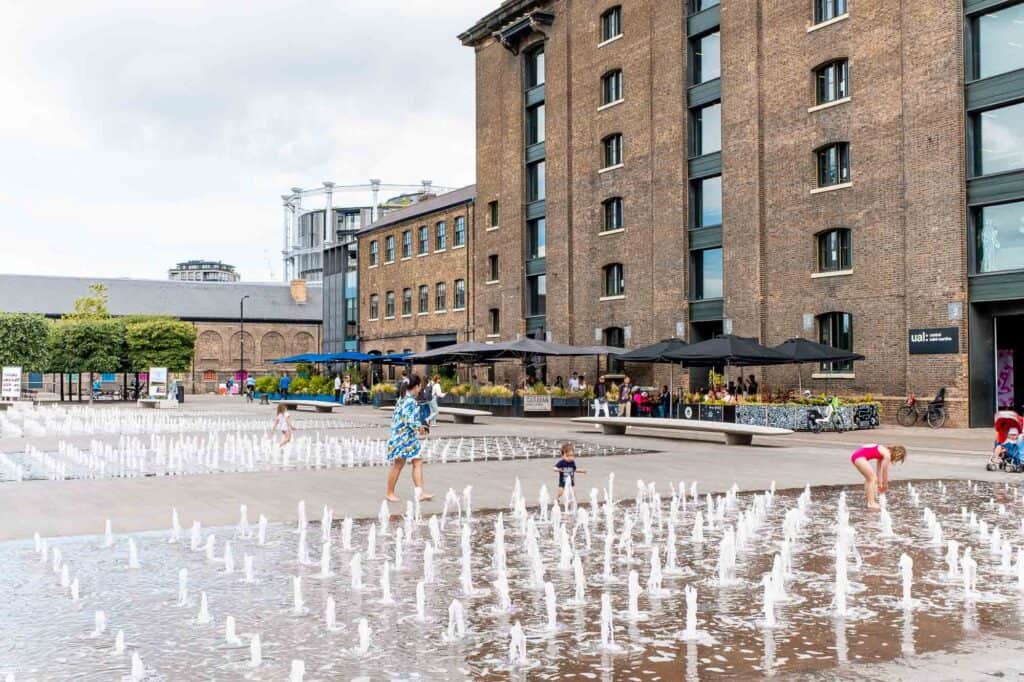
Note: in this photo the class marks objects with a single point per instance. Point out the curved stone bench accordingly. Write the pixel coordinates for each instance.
(735, 434)
(460, 414)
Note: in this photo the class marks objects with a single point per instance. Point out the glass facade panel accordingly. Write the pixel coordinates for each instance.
(708, 202)
(534, 130)
(536, 181)
(708, 130)
(536, 238)
(999, 38)
(999, 141)
(535, 67)
(707, 58)
(999, 237)
(536, 295)
(707, 274)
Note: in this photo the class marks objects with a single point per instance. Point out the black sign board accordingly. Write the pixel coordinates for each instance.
(934, 341)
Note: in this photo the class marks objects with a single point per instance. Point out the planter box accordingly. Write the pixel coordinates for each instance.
(855, 416)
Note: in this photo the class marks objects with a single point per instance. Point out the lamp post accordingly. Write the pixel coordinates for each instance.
(241, 343)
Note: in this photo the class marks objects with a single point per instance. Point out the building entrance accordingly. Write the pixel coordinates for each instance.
(1009, 362)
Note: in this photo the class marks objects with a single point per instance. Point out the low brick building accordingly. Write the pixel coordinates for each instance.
(415, 273)
(280, 319)
(651, 169)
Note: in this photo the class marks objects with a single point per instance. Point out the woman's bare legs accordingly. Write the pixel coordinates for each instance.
(396, 470)
(417, 479)
(870, 481)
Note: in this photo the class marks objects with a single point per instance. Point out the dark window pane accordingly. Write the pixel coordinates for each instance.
(612, 219)
(708, 198)
(534, 127)
(536, 238)
(707, 274)
(535, 181)
(424, 239)
(836, 330)
(834, 164)
(535, 67)
(1000, 41)
(699, 5)
(441, 236)
(536, 295)
(611, 24)
(999, 234)
(611, 87)
(614, 280)
(828, 9)
(708, 130)
(612, 150)
(707, 64)
(494, 213)
(834, 251)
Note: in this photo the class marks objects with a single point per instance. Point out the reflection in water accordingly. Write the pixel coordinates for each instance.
(143, 602)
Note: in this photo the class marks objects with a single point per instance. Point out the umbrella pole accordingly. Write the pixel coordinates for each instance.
(671, 387)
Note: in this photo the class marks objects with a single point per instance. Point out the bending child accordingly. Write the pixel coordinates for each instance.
(876, 480)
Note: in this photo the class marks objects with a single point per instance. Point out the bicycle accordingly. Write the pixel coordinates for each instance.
(934, 412)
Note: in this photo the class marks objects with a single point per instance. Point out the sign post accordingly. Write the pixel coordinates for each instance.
(536, 403)
(10, 384)
(158, 382)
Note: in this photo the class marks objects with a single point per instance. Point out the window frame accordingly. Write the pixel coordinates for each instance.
(534, 67)
(697, 201)
(610, 25)
(536, 227)
(536, 181)
(612, 151)
(613, 274)
(374, 312)
(493, 211)
(423, 239)
(976, 139)
(374, 256)
(611, 87)
(441, 235)
(407, 302)
(842, 249)
(459, 295)
(493, 268)
(697, 58)
(494, 322)
(838, 88)
(698, 278)
(389, 305)
(407, 244)
(842, 155)
(536, 124)
(423, 305)
(441, 297)
(612, 214)
(821, 16)
(697, 129)
(459, 236)
(389, 249)
(834, 319)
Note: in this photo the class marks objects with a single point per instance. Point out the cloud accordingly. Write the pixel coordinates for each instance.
(192, 117)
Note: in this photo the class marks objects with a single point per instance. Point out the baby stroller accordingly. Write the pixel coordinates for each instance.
(1006, 454)
(831, 418)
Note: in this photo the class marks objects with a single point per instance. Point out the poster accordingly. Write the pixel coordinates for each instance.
(1004, 378)
(157, 382)
(10, 385)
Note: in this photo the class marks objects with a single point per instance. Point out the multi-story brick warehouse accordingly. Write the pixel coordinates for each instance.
(415, 266)
(769, 169)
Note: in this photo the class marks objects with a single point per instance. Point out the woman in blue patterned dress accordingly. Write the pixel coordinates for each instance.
(404, 444)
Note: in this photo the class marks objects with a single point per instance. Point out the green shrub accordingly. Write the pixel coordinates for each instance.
(299, 385)
(321, 385)
(267, 384)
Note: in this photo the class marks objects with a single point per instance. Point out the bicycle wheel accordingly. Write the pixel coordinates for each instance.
(937, 417)
(907, 416)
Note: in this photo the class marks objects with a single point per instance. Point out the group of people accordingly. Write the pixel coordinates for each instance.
(347, 391)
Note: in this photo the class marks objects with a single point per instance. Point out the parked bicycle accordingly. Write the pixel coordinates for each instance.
(933, 412)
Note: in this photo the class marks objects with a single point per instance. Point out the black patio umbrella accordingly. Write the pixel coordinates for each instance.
(737, 351)
(656, 352)
(468, 351)
(800, 351)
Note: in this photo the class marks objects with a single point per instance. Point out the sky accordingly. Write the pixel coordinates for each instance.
(138, 133)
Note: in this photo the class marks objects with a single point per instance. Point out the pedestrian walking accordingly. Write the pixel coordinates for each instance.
(337, 388)
(601, 397)
(626, 398)
(435, 394)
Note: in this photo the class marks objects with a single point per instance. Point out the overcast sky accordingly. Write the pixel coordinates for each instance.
(137, 133)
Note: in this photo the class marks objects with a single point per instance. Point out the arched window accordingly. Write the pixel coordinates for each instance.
(611, 218)
(611, 87)
(374, 252)
(424, 240)
(611, 24)
(441, 236)
(494, 322)
(424, 299)
(440, 297)
(826, 10)
(615, 337)
(834, 253)
(832, 81)
(836, 329)
(389, 305)
(389, 249)
(614, 280)
(535, 66)
(493, 271)
(611, 147)
(460, 294)
(407, 244)
(406, 302)
(374, 307)
(833, 164)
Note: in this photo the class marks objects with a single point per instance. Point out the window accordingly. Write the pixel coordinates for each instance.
(374, 307)
(424, 299)
(999, 237)
(374, 252)
(424, 240)
(391, 368)
(536, 295)
(707, 130)
(492, 211)
(492, 267)
(997, 40)
(612, 150)
(389, 305)
(389, 249)
(707, 274)
(699, 5)
(612, 214)
(999, 138)
(535, 181)
(460, 231)
(611, 87)
(614, 280)
(832, 81)
(707, 58)
(536, 238)
(611, 24)
(406, 302)
(407, 244)
(834, 164)
(440, 296)
(707, 202)
(534, 124)
(494, 321)
(460, 294)
(828, 9)
(441, 236)
(616, 338)
(836, 330)
(834, 251)
(535, 67)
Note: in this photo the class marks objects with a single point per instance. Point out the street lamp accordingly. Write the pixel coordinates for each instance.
(241, 343)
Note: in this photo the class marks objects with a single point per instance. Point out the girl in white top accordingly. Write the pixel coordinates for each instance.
(283, 424)
(435, 393)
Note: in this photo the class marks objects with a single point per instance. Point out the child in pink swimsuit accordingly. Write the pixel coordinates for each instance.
(876, 480)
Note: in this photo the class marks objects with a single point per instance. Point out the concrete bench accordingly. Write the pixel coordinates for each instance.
(460, 414)
(735, 434)
(157, 404)
(45, 399)
(318, 405)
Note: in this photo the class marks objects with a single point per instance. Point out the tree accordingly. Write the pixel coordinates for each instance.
(92, 307)
(159, 342)
(87, 345)
(24, 341)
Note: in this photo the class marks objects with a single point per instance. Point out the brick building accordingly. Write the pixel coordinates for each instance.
(415, 268)
(280, 319)
(766, 169)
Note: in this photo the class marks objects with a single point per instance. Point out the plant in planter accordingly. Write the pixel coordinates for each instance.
(381, 392)
(267, 384)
